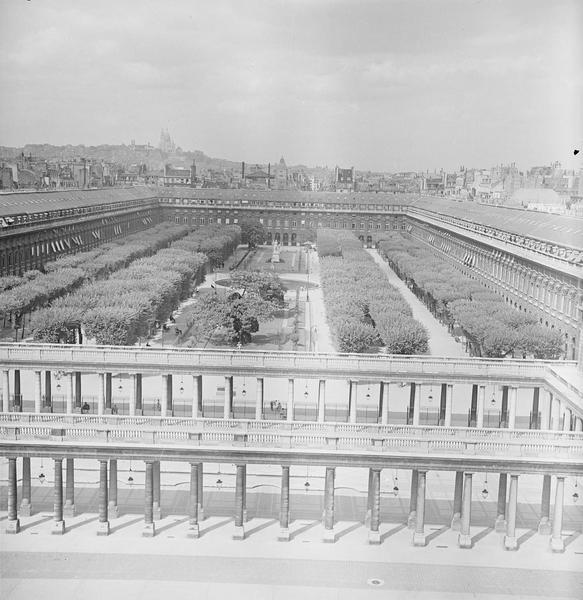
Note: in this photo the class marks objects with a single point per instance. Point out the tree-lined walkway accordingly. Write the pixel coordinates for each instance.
(441, 342)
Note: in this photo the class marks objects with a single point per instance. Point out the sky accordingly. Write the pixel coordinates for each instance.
(384, 85)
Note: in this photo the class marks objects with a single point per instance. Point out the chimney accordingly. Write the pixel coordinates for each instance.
(268, 175)
(193, 174)
(243, 170)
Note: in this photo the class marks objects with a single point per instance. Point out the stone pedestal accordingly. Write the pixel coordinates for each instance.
(374, 537)
(464, 541)
(58, 528)
(510, 542)
(329, 536)
(283, 535)
(544, 526)
(13, 526)
(500, 524)
(103, 528)
(193, 531)
(25, 508)
(149, 530)
(419, 539)
(412, 519)
(239, 532)
(113, 510)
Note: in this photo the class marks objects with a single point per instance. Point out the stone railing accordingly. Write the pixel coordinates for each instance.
(369, 367)
(402, 439)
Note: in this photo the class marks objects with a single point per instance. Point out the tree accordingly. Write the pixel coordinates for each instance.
(252, 232)
(267, 286)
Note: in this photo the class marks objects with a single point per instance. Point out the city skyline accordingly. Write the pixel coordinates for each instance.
(382, 86)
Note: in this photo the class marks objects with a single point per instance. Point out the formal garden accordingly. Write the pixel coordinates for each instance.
(492, 328)
(365, 312)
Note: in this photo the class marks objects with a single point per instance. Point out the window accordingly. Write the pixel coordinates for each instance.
(344, 225)
(362, 225)
(294, 223)
(219, 220)
(353, 225)
(269, 222)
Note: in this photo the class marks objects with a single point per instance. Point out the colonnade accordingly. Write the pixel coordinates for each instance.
(505, 522)
(547, 411)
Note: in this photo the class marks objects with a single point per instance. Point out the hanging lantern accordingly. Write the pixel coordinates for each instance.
(219, 484)
(307, 486)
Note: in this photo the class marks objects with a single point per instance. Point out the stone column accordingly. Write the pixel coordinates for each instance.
(473, 406)
(156, 486)
(544, 525)
(290, 399)
(103, 523)
(5, 391)
(113, 510)
(512, 396)
(196, 396)
(200, 492)
(59, 523)
(284, 506)
(419, 535)
(352, 400)
(456, 520)
(557, 543)
(78, 389)
(69, 509)
(133, 395)
(374, 536)
(165, 399)
(321, 401)
(510, 539)
(555, 413)
(48, 390)
(368, 499)
(448, 404)
(239, 533)
(245, 518)
(566, 419)
(500, 524)
(26, 501)
(546, 410)
(416, 403)
(329, 534)
(108, 393)
(101, 393)
(139, 404)
(37, 392)
(169, 396)
(481, 400)
(385, 388)
(413, 499)
(13, 524)
(259, 399)
(193, 529)
(228, 399)
(465, 537)
(68, 383)
(534, 413)
(149, 527)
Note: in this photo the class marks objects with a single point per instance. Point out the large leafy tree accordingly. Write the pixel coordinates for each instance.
(252, 232)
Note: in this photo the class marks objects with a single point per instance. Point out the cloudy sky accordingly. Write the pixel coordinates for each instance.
(385, 85)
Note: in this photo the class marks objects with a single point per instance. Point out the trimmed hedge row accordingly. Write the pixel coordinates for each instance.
(493, 328)
(36, 289)
(126, 306)
(363, 309)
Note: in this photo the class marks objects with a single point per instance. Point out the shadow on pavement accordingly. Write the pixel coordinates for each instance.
(81, 523)
(348, 530)
(303, 529)
(393, 531)
(35, 523)
(126, 524)
(249, 532)
(482, 534)
(215, 526)
(526, 536)
(172, 524)
(434, 534)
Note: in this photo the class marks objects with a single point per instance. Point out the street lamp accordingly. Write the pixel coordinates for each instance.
(395, 485)
(485, 490)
